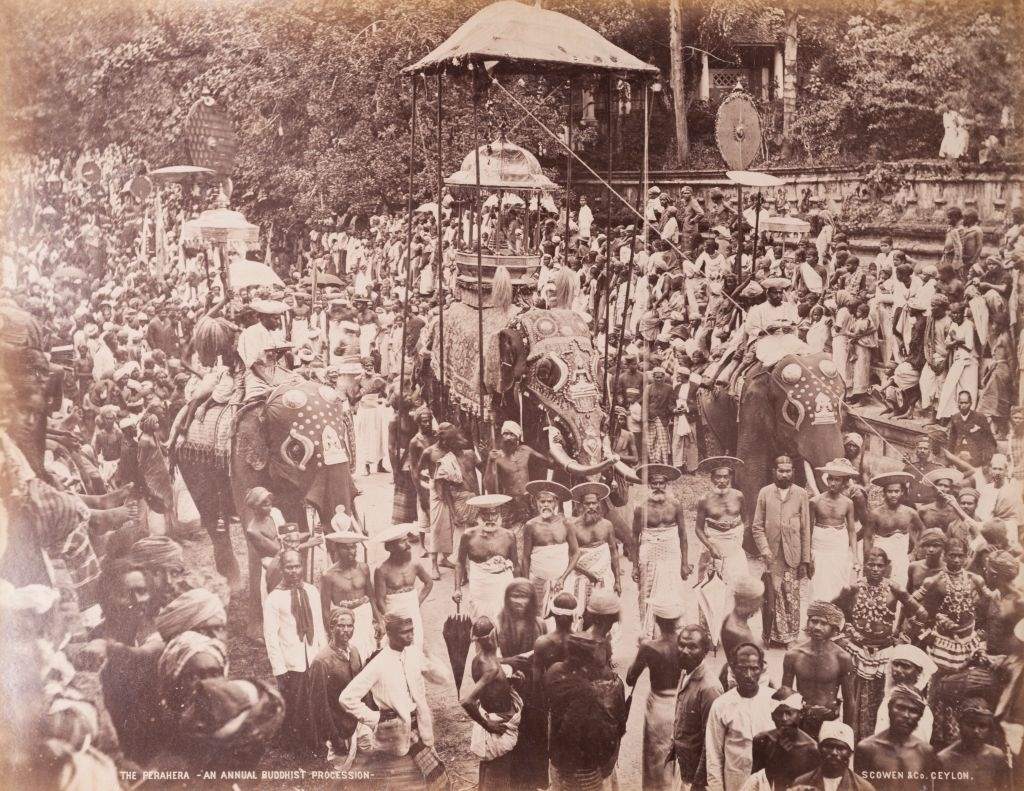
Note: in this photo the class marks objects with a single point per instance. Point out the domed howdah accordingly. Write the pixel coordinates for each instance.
(502, 164)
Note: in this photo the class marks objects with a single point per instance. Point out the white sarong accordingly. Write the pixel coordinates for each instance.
(729, 544)
(487, 746)
(830, 551)
(369, 431)
(407, 604)
(897, 547)
(487, 582)
(547, 564)
(660, 559)
(598, 561)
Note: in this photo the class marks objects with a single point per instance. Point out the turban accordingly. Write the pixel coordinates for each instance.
(233, 717)
(853, 438)
(904, 652)
(193, 609)
(669, 609)
(908, 693)
(157, 551)
(829, 612)
(975, 706)
(604, 603)
(1005, 565)
(836, 731)
(969, 490)
(940, 301)
(933, 535)
(254, 496)
(564, 604)
(181, 650)
(393, 621)
(748, 588)
(511, 427)
(794, 700)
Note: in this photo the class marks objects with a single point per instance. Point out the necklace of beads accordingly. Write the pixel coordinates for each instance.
(871, 610)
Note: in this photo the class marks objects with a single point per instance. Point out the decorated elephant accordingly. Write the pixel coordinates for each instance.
(793, 407)
(298, 442)
(542, 370)
(47, 532)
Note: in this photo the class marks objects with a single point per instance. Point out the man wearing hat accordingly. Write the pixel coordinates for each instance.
(835, 746)
(895, 759)
(487, 558)
(394, 581)
(893, 526)
(550, 550)
(819, 669)
(833, 533)
(258, 347)
(660, 657)
(348, 583)
(598, 563)
(942, 511)
(659, 532)
(720, 519)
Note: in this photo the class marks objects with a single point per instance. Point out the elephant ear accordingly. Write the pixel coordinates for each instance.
(512, 356)
(250, 438)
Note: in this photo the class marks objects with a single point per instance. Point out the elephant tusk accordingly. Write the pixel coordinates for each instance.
(627, 472)
(567, 462)
(812, 482)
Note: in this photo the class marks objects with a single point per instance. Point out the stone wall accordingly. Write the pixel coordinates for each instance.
(906, 200)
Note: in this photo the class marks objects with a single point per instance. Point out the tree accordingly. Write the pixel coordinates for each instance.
(677, 80)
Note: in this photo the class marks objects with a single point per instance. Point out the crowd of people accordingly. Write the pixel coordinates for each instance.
(895, 595)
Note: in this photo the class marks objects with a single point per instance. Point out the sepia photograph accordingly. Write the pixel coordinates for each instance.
(511, 395)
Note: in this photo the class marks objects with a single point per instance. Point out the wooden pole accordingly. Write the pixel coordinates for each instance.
(738, 266)
(408, 261)
(568, 173)
(608, 245)
(479, 257)
(440, 260)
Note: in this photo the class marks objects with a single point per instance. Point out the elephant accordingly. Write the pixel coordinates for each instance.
(41, 519)
(793, 407)
(541, 370)
(298, 443)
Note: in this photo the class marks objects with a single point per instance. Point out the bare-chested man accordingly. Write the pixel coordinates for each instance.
(942, 511)
(487, 558)
(818, 668)
(598, 564)
(659, 530)
(423, 439)
(720, 519)
(348, 583)
(394, 581)
(660, 657)
(550, 550)
(833, 533)
(508, 472)
(550, 648)
(895, 759)
(893, 526)
(930, 544)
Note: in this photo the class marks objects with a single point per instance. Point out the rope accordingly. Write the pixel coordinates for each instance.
(605, 184)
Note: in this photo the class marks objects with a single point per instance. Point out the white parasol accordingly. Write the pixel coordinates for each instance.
(243, 273)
